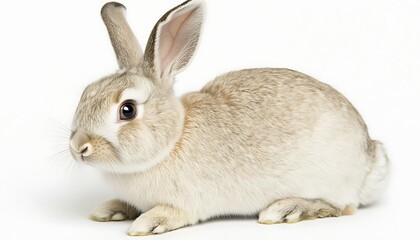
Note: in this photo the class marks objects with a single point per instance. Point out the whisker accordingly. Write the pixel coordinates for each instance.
(121, 153)
(57, 130)
(64, 162)
(75, 168)
(114, 166)
(61, 125)
(62, 137)
(59, 156)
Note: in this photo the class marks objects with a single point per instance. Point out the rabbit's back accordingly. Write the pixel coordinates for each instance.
(251, 102)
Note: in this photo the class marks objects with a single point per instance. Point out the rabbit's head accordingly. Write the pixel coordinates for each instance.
(129, 121)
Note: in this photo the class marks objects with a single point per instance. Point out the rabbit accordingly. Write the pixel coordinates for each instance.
(270, 143)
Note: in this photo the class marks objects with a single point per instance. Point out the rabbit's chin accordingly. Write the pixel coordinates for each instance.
(121, 168)
(125, 166)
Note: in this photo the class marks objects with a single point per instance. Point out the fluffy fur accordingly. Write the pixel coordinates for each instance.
(267, 140)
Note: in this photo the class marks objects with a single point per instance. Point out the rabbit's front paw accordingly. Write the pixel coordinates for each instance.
(114, 210)
(159, 219)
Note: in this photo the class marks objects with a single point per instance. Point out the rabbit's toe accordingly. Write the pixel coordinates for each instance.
(114, 210)
(159, 219)
(105, 216)
(148, 226)
(292, 210)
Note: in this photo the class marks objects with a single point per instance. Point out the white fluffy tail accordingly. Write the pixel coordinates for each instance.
(377, 177)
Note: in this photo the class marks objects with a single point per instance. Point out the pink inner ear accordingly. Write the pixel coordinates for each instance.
(173, 38)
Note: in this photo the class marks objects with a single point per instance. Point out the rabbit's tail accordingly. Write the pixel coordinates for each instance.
(377, 176)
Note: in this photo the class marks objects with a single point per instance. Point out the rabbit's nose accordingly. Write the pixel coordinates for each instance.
(80, 145)
(86, 150)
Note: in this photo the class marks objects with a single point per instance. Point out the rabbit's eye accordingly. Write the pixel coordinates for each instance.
(128, 110)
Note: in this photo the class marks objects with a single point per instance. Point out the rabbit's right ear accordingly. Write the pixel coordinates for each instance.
(126, 47)
(173, 41)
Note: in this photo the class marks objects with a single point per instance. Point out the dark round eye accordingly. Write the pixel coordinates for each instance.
(128, 110)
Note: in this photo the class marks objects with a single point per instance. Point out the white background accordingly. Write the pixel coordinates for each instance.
(50, 50)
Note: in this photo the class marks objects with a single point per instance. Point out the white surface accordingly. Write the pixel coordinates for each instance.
(50, 50)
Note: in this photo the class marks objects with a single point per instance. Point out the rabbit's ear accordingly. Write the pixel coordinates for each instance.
(128, 51)
(173, 41)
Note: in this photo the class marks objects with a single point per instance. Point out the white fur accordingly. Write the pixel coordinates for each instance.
(377, 177)
(139, 94)
(319, 171)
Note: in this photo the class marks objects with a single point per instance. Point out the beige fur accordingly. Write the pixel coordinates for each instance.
(250, 140)
(126, 47)
(349, 210)
(114, 210)
(293, 210)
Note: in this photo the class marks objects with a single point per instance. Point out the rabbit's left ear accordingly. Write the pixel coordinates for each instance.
(126, 47)
(173, 41)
